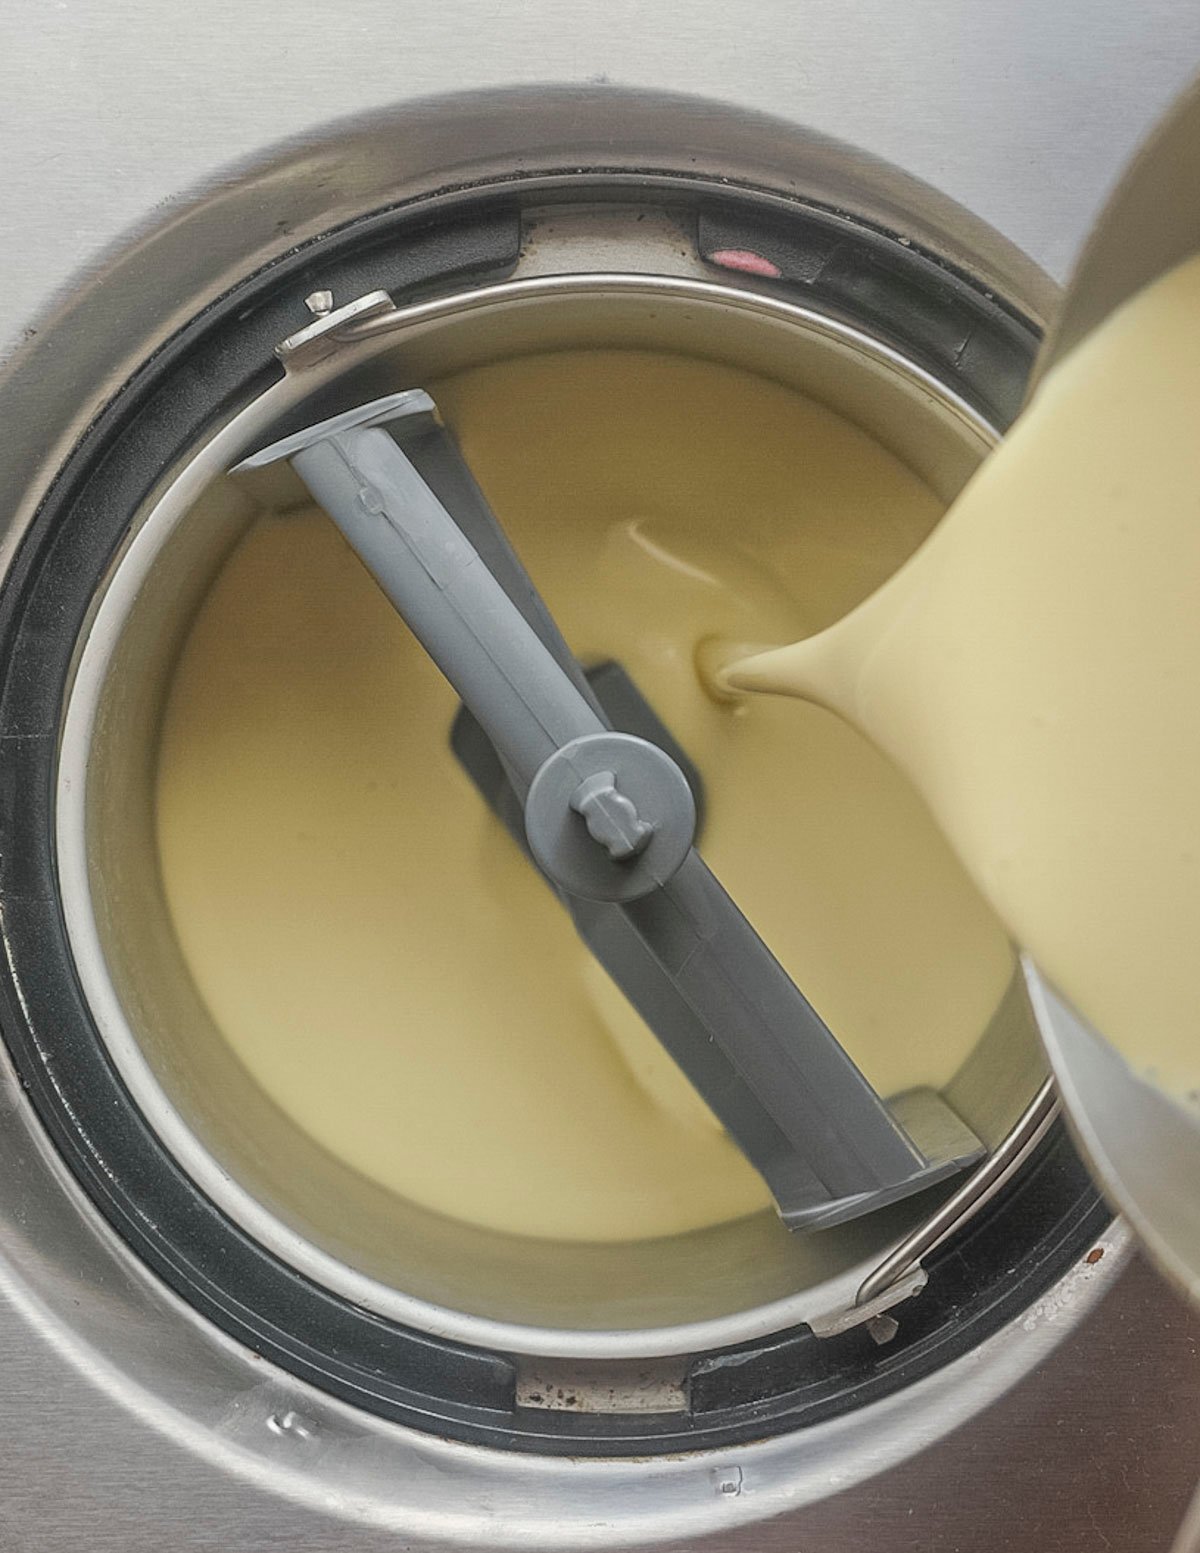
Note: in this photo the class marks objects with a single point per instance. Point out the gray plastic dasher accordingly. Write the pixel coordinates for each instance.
(610, 820)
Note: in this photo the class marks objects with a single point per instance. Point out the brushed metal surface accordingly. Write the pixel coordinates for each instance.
(1022, 111)
(120, 117)
(1095, 1450)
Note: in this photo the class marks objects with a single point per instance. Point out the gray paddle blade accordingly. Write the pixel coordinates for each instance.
(610, 818)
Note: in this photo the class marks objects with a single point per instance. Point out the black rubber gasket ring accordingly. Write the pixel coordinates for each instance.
(1016, 1248)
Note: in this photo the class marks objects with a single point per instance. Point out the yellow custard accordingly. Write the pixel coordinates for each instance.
(387, 965)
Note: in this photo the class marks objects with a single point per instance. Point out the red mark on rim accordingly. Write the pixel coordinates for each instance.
(745, 260)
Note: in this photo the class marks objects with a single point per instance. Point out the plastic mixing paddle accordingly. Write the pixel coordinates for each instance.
(610, 819)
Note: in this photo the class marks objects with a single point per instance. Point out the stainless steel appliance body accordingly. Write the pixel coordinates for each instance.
(134, 1422)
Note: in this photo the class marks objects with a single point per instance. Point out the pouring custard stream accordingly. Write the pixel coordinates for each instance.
(1033, 669)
